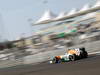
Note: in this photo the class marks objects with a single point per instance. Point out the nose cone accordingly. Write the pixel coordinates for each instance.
(50, 62)
(58, 57)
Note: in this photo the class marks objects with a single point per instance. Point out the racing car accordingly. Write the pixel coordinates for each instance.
(71, 55)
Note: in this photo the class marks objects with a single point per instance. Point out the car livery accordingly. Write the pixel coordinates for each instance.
(71, 55)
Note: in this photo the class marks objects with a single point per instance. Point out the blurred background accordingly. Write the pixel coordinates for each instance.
(27, 37)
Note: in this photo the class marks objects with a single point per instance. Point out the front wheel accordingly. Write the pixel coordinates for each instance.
(56, 60)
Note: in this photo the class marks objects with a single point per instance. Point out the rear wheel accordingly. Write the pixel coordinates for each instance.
(72, 57)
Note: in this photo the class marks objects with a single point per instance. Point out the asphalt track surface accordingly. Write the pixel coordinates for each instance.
(88, 66)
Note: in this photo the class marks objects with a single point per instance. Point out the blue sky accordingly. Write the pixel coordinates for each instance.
(15, 14)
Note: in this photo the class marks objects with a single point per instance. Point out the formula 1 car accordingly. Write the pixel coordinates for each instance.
(71, 55)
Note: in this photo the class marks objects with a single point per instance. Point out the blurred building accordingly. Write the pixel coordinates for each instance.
(86, 22)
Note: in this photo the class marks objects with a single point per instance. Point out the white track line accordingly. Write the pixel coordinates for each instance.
(94, 52)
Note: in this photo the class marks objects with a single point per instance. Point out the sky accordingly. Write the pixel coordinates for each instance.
(17, 16)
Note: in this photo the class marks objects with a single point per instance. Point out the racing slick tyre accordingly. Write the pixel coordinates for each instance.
(72, 57)
(56, 60)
